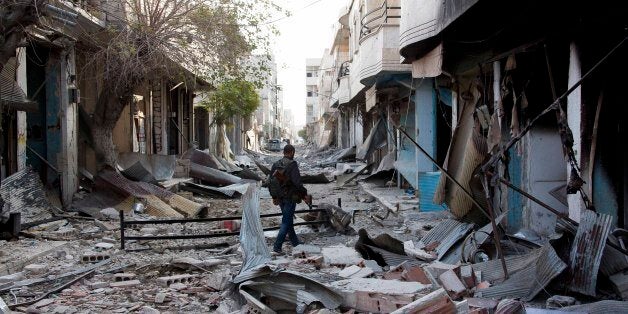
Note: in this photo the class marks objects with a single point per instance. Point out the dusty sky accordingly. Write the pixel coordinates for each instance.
(305, 34)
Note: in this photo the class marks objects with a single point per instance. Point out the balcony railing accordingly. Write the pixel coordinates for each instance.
(374, 19)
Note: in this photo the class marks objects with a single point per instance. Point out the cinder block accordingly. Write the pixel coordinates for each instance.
(123, 277)
(125, 284)
(35, 269)
(167, 281)
(94, 257)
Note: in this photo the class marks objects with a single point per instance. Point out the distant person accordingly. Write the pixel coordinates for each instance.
(286, 189)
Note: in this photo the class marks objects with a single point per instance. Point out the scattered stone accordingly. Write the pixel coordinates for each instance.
(42, 303)
(372, 265)
(178, 286)
(167, 281)
(62, 309)
(125, 284)
(219, 279)
(149, 231)
(355, 272)
(160, 297)
(110, 213)
(148, 310)
(124, 276)
(104, 246)
(452, 284)
(109, 240)
(91, 257)
(559, 301)
(12, 277)
(305, 250)
(35, 269)
(340, 255)
(377, 295)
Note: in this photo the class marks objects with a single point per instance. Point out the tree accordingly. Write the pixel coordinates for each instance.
(15, 17)
(155, 37)
(303, 134)
(233, 98)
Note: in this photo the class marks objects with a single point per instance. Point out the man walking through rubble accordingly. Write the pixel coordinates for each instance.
(284, 184)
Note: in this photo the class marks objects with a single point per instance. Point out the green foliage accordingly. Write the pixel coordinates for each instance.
(303, 133)
(232, 98)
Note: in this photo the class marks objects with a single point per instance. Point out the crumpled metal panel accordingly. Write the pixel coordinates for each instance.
(393, 259)
(586, 251)
(136, 166)
(212, 176)
(376, 139)
(137, 172)
(203, 158)
(541, 268)
(446, 233)
(23, 193)
(600, 307)
(256, 252)
(296, 288)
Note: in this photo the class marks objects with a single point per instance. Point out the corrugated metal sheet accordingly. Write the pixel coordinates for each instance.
(601, 307)
(204, 159)
(393, 259)
(160, 167)
(586, 251)
(613, 261)
(446, 233)
(256, 252)
(11, 95)
(525, 284)
(24, 193)
(427, 187)
(212, 176)
(492, 270)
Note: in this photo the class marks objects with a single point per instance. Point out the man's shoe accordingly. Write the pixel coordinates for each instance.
(276, 252)
(300, 243)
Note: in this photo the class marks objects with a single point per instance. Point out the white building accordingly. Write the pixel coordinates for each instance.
(312, 67)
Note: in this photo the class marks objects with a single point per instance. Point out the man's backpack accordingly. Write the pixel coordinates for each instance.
(278, 181)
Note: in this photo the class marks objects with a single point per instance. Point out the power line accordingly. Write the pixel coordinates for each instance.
(290, 15)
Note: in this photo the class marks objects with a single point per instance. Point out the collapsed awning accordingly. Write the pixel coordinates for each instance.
(376, 139)
(11, 94)
(430, 65)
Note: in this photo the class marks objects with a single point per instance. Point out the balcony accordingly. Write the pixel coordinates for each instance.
(422, 20)
(379, 43)
(312, 80)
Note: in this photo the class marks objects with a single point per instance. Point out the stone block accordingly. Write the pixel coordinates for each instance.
(35, 269)
(452, 284)
(341, 255)
(160, 297)
(125, 284)
(557, 302)
(438, 268)
(92, 257)
(416, 274)
(218, 280)
(305, 251)
(123, 276)
(467, 276)
(372, 265)
(104, 246)
(371, 295)
(98, 285)
(355, 271)
(167, 281)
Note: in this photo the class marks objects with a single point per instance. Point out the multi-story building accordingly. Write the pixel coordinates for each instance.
(312, 67)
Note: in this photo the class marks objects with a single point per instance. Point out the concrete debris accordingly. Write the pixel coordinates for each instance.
(23, 192)
(559, 301)
(377, 295)
(355, 271)
(452, 284)
(340, 255)
(434, 302)
(110, 213)
(543, 265)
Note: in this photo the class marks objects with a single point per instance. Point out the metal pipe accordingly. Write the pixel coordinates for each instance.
(173, 221)
(212, 235)
(446, 173)
(122, 225)
(43, 159)
(496, 235)
(555, 212)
